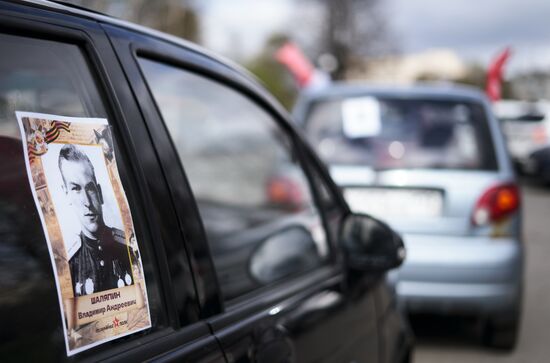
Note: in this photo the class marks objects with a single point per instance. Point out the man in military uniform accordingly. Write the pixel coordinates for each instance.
(102, 262)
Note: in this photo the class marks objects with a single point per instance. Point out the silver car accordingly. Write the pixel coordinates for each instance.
(432, 162)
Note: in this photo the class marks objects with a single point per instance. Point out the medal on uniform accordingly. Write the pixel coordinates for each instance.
(128, 279)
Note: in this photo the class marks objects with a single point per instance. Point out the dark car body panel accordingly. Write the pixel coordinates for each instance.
(322, 315)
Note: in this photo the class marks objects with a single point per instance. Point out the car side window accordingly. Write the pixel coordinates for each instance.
(253, 196)
(47, 77)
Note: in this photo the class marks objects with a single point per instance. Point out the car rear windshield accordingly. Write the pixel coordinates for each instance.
(391, 133)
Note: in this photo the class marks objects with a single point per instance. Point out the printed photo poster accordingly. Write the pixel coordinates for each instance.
(87, 222)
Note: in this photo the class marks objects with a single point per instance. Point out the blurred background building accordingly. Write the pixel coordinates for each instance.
(433, 64)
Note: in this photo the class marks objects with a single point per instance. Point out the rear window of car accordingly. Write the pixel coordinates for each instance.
(51, 78)
(398, 133)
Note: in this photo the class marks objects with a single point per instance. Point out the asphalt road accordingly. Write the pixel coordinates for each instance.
(446, 340)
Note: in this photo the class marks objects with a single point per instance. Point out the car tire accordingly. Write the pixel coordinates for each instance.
(501, 333)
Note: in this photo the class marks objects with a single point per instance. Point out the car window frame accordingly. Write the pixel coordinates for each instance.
(91, 39)
(188, 59)
(292, 146)
(293, 152)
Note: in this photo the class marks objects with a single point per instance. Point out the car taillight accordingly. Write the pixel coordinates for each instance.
(285, 192)
(496, 203)
(539, 135)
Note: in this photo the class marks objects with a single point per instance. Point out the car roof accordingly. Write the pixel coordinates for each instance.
(419, 90)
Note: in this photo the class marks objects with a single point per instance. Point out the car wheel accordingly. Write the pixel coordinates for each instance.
(501, 333)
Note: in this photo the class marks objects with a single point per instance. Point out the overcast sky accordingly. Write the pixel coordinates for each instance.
(476, 30)
(239, 27)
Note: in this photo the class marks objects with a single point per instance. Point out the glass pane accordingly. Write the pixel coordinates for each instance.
(391, 133)
(253, 197)
(46, 77)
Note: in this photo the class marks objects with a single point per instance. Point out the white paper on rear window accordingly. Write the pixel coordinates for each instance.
(361, 117)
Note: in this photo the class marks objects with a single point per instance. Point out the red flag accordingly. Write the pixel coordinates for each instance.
(300, 67)
(494, 75)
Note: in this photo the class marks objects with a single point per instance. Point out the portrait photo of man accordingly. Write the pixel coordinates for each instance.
(88, 228)
(102, 261)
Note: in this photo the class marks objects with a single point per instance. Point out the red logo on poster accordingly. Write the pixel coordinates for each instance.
(115, 322)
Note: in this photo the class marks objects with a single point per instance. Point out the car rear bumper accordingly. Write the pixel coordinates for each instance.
(468, 275)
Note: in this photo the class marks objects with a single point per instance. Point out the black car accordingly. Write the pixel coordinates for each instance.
(156, 204)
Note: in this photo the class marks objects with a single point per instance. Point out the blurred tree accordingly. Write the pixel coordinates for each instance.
(508, 89)
(476, 76)
(429, 77)
(171, 16)
(177, 17)
(274, 76)
(350, 31)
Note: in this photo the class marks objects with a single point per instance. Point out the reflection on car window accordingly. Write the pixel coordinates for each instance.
(253, 198)
(43, 77)
(401, 133)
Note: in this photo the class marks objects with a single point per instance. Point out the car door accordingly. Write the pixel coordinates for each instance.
(262, 238)
(62, 63)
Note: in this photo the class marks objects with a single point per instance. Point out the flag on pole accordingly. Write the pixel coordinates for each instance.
(300, 67)
(494, 75)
